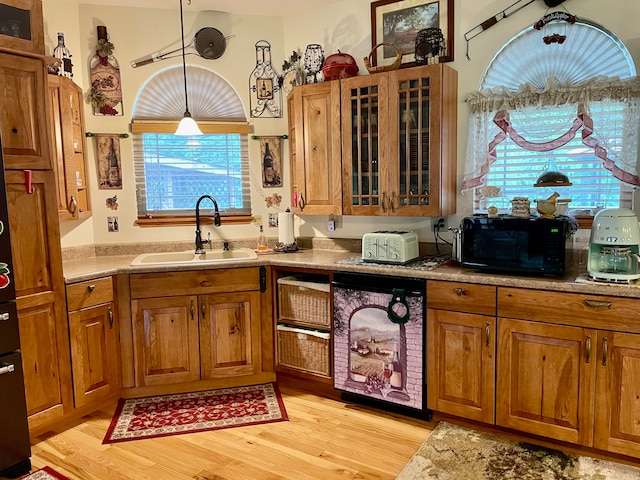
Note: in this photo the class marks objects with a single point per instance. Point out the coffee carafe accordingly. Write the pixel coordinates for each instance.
(614, 246)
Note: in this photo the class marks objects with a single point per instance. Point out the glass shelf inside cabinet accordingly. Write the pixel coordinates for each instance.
(15, 22)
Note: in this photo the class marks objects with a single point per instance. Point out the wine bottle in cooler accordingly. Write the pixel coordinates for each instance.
(396, 376)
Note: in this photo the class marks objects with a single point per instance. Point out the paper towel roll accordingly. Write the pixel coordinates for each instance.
(285, 228)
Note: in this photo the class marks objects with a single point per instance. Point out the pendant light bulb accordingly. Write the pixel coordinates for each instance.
(187, 125)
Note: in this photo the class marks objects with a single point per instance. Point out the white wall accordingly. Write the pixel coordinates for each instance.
(344, 25)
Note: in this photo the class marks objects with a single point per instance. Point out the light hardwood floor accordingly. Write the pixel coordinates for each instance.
(323, 439)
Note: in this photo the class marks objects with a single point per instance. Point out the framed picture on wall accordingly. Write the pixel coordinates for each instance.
(398, 22)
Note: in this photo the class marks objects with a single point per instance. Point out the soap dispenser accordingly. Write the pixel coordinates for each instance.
(262, 241)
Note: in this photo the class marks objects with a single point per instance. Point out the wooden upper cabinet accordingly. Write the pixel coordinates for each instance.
(546, 379)
(68, 140)
(23, 26)
(314, 127)
(24, 123)
(399, 142)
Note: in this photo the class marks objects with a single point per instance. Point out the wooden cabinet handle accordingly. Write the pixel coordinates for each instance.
(605, 351)
(192, 310)
(587, 345)
(487, 335)
(110, 318)
(91, 288)
(301, 202)
(203, 309)
(73, 206)
(460, 291)
(598, 304)
(384, 199)
(392, 201)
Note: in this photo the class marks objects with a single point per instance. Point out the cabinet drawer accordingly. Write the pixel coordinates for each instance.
(196, 282)
(582, 310)
(89, 293)
(461, 297)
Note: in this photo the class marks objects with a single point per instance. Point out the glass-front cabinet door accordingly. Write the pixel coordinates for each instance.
(21, 25)
(399, 144)
(415, 117)
(365, 145)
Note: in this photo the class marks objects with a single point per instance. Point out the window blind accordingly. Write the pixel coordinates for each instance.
(172, 172)
(516, 169)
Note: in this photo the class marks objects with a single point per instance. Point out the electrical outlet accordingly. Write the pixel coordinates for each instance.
(337, 221)
(438, 224)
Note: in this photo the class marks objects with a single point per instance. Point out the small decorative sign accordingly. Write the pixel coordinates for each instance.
(271, 154)
(108, 158)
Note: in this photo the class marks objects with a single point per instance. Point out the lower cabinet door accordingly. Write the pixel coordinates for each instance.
(617, 418)
(229, 339)
(94, 354)
(165, 340)
(546, 380)
(40, 359)
(461, 364)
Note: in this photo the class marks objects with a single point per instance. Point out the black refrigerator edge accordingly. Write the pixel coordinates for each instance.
(15, 450)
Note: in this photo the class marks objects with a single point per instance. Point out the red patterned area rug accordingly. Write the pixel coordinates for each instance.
(45, 473)
(160, 416)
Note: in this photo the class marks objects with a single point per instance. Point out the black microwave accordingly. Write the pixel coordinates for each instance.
(517, 245)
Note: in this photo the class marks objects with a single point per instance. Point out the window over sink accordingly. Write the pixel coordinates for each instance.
(172, 172)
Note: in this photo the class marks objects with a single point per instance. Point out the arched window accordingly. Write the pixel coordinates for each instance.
(172, 172)
(556, 106)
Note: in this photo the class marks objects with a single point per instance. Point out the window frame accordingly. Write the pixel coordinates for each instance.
(169, 127)
(625, 192)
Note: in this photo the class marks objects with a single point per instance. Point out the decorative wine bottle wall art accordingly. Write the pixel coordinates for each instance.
(106, 90)
(62, 53)
(264, 86)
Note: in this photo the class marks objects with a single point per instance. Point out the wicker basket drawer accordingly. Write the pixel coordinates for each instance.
(306, 350)
(303, 301)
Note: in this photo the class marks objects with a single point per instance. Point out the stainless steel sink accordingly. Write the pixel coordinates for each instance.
(186, 258)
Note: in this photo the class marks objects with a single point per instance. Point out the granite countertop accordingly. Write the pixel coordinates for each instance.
(574, 281)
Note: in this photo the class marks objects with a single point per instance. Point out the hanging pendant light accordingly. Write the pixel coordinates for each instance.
(187, 125)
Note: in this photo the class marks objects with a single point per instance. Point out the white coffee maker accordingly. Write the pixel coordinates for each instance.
(614, 246)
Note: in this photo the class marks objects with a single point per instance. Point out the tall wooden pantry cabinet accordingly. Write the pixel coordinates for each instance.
(33, 220)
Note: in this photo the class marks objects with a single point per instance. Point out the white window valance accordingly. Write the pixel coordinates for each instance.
(603, 110)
